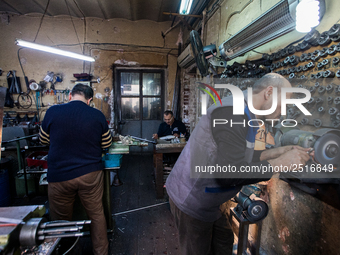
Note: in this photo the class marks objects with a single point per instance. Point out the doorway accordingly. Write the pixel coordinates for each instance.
(140, 100)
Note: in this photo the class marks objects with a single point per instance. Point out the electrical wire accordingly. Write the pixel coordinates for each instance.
(213, 6)
(75, 2)
(72, 246)
(257, 52)
(8, 225)
(41, 20)
(118, 44)
(74, 27)
(237, 12)
(295, 42)
(22, 69)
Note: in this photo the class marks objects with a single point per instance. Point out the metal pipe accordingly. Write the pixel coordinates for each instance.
(60, 224)
(10, 220)
(19, 164)
(60, 235)
(56, 230)
(19, 138)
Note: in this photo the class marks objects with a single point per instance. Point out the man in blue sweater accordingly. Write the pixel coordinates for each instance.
(77, 133)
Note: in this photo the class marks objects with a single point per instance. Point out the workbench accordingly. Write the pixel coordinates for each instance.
(158, 151)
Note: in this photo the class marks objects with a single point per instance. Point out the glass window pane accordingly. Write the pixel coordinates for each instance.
(152, 108)
(130, 108)
(151, 84)
(129, 84)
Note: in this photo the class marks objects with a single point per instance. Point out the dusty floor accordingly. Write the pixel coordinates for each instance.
(146, 231)
(143, 231)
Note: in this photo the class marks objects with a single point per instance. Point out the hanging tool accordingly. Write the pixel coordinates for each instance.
(13, 83)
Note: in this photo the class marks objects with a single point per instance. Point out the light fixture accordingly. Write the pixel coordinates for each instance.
(185, 7)
(275, 22)
(307, 15)
(53, 50)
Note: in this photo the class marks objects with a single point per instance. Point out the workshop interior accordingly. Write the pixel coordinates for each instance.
(142, 58)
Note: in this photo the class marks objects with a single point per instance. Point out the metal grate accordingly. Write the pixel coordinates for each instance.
(275, 22)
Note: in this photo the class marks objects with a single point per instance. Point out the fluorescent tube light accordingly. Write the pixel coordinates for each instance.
(53, 50)
(185, 7)
(307, 15)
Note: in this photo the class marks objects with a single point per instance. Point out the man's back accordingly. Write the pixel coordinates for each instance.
(75, 131)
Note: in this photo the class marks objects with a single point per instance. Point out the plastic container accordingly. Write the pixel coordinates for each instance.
(33, 161)
(112, 160)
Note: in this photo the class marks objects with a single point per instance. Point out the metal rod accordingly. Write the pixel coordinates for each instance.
(182, 15)
(60, 236)
(138, 209)
(19, 164)
(142, 139)
(60, 224)
(19, 138)
(10, 220)
(55, 230)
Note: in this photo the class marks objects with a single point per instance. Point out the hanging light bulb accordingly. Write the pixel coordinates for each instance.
(307, 15)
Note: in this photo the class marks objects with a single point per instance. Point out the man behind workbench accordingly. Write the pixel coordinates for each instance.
(198, 203)
(170, 126)
(77, 134)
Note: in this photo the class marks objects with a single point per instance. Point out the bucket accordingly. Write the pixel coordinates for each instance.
(5, 196)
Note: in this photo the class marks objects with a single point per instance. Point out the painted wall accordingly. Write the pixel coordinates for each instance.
(297, 223)
(118, 41)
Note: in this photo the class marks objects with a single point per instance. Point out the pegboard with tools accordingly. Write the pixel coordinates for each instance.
(314, 64)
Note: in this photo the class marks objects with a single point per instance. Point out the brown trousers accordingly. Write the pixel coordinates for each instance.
(89, 187)
(202, 238)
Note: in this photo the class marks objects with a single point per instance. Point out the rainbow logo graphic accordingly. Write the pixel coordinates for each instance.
(208, 92)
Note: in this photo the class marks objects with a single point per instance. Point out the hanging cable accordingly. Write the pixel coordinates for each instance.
(295, 42)
(74, 27)
(257, 52)
(237, 12)
(41, 20)
(84, 23)
(84, 31)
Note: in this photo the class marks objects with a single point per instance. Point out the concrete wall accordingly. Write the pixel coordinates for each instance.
(118, 41)
(297, 223)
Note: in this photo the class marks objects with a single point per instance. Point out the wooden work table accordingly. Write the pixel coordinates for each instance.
(159, 150)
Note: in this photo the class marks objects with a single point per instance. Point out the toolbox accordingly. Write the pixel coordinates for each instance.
(34, 159)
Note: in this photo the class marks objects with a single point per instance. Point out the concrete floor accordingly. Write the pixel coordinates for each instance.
(143, 231)
(147, 230)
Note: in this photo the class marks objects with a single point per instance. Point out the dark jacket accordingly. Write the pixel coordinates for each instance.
(200, 194)
(77, 133)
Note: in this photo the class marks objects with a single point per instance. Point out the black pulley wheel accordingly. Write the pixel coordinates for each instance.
(197, 48)
(257, 211)
(24, 100)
